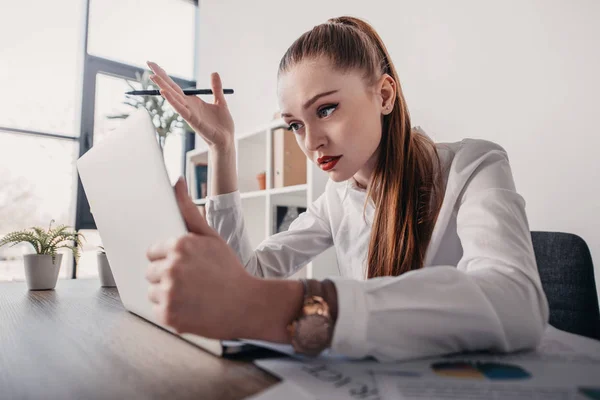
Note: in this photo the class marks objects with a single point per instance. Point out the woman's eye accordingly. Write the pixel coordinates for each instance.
(326, 111)
(323, 112)
(294, 127)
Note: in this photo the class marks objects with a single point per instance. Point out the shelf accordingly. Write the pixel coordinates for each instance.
(289, 189)
(296, 189)
(254, 193)
(299, 190)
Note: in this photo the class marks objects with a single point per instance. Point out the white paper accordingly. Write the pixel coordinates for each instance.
(283, 390)
(564, 366)
(326, 380)
(476, 378)
(392, 388)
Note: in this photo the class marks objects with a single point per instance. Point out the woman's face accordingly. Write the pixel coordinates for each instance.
(335, 117)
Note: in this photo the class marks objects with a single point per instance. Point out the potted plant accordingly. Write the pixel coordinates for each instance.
(42, 268)
(165, 118)
(104, 271)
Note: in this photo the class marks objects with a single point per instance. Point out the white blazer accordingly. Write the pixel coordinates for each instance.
(480, 288)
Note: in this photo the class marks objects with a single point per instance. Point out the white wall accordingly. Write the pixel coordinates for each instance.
(522, 73)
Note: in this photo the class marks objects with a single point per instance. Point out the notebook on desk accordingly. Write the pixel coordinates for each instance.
(134, 206)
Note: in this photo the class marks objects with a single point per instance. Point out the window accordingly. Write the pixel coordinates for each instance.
(41, 83)
(53, 92)
(109, 102)
(37, 177)
(134, 31)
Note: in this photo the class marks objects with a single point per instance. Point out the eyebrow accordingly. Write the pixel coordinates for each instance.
(312, 101)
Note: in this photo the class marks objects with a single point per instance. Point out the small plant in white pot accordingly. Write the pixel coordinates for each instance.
(104, 271)
(42, 268)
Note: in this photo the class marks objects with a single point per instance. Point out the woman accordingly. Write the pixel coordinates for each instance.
(432, 240)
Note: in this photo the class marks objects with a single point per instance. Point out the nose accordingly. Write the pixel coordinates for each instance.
(314, 139)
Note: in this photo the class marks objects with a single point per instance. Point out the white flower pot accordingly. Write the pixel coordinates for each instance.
(104, 272)
(40, 272)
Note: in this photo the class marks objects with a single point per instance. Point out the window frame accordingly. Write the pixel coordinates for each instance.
(92, 65)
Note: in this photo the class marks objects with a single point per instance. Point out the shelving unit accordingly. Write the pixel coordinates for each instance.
(254, 155)
(296, 191)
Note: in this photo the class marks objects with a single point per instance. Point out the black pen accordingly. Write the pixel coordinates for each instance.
(187, 92)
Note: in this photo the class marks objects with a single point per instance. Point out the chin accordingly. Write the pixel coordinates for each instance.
(341, 172)
(339, 176)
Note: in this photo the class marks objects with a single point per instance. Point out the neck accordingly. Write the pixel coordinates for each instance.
(363, 176)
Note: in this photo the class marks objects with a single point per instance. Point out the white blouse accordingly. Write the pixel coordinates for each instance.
(479, 290)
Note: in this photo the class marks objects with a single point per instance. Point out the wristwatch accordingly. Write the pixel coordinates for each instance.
(312, 330)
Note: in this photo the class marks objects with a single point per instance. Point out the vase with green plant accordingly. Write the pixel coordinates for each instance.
(42, 268)
(104, 271)
(166, 120)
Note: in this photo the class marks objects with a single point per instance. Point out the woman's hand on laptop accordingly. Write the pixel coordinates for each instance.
(197, 283)
(211, 121)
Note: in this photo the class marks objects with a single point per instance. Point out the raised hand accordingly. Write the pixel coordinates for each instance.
(211, 121)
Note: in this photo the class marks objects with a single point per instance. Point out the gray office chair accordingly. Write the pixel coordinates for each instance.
(567, 274)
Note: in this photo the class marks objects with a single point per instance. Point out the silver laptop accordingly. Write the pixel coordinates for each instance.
(134, 206)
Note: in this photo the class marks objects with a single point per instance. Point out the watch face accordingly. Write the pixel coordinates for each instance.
(313, 332)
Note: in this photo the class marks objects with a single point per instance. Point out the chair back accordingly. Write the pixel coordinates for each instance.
(567, 274)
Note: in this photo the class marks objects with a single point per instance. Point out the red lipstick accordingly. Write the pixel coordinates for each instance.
(328, 162)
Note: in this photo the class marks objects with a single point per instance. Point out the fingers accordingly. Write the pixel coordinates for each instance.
(167, 88)
(154, 271)
(160, 250)
(181, 108)
(162, 307)
(154, 294)
(193, 219)
(217, 88)
(166, 78)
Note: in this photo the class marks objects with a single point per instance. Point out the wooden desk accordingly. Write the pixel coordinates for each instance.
(78, 342)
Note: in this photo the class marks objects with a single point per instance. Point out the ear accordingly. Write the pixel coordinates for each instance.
(387, 90)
